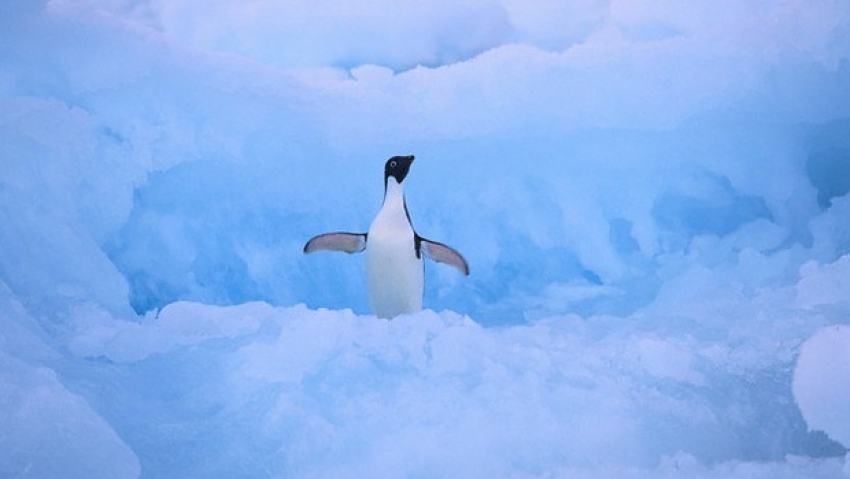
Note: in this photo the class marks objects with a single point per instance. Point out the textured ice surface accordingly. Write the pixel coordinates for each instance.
(258, 390)
(822, 382)
(654, 201)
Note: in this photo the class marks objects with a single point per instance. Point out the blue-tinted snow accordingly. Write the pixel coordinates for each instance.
(653, 201)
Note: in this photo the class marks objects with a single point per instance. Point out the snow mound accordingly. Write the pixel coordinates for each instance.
(822, 382)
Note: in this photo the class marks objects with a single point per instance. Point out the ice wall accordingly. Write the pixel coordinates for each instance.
(586, 171)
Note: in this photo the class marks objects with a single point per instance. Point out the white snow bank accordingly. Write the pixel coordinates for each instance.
(46, 429)
(822, 382)
(296, 392)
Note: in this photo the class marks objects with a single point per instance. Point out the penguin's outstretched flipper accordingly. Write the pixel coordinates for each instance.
(347, 242)
(442, 254)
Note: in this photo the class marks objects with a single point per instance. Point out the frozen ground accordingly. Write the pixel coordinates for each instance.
(654, 201)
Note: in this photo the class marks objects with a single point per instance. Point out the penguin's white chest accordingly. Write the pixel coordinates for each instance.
(396, 276)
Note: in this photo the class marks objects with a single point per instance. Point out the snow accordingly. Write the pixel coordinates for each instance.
(822, 382)
(654, 201)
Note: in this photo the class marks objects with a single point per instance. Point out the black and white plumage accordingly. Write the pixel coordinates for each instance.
(394, 250)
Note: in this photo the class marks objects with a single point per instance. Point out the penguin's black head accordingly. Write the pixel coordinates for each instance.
(397, 167)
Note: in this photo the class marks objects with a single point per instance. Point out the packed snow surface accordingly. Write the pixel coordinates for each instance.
(654, 200)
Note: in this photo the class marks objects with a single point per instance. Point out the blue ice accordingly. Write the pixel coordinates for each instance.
(655, 205)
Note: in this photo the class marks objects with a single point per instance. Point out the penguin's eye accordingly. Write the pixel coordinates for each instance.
(392, 164)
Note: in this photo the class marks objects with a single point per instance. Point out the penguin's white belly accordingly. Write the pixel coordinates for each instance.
(396, 276)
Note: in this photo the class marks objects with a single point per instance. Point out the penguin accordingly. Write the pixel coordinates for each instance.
(394, 251)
